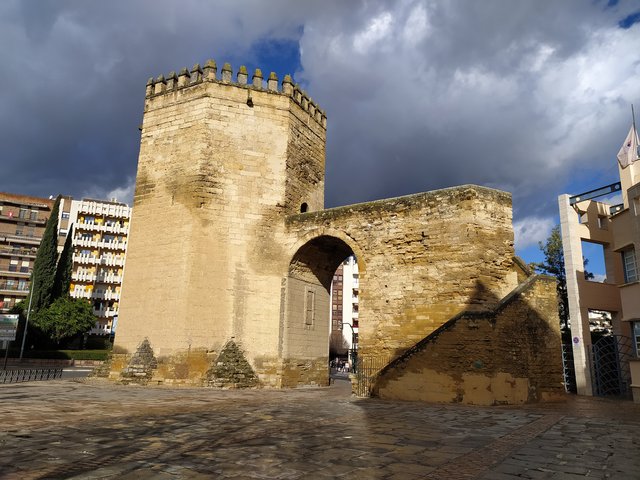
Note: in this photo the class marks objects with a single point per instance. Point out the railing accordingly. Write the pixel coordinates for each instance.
(29, 374)
(366, 370)
(106, 210)
(22, 252)
(86, 259)
(14, 288)
(108, 279)
(568, 369)
(83, 277)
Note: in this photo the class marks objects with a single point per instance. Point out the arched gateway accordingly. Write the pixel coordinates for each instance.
(231, 255)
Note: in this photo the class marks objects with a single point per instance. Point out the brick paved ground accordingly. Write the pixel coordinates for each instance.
(67, 429)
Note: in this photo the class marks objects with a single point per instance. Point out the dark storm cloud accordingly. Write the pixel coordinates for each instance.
(525, 96)
(74, 77)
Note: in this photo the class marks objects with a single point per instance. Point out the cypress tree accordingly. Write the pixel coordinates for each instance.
(62, 280)
(44, 266)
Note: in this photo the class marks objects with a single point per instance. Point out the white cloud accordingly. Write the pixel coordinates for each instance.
(531, 230)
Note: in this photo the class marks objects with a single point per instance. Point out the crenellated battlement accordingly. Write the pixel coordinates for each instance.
(186, 78)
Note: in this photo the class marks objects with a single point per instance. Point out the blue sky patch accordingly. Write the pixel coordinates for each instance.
(629, 20)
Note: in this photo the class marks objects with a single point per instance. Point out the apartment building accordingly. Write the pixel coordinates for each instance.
(615, 226)
(345, 289)
(100, 231)
(22, 223)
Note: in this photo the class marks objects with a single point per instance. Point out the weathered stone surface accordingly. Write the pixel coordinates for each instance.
(507, 355)
(231, 369)
(219, 247)
(141, 366)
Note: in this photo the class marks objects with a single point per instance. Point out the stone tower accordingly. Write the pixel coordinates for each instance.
(223, 161)
(231, 256)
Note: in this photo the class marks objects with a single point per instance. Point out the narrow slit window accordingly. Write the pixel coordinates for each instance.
(310, 307)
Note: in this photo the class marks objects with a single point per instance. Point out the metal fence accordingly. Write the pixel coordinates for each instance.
(568, 368)
(29, 374)
(610, 366)
(366, 372)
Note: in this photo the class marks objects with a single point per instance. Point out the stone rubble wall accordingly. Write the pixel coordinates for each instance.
(508, 355)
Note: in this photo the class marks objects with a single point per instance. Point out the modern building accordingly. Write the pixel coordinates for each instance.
(22, 223)
(100, 231)
(616, 228)
(345, 289)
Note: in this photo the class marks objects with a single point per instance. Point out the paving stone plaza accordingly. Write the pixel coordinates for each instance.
(90, 430)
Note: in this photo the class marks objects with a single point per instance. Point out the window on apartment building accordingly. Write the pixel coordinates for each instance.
(19, 228)
(603, 223)
(24, 267)
(636, 336)
(310, 307)
(11, 284)
(31, 231)
(23, 213)
(89, 219)
(630, 265)
(33, 215)
(22, 285)
(65, 215)
(13, 265)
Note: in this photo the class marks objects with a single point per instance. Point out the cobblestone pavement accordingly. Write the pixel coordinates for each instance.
(70, 429)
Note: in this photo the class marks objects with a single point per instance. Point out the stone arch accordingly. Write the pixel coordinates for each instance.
(306, 306)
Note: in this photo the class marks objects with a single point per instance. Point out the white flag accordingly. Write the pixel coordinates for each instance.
(629, 151)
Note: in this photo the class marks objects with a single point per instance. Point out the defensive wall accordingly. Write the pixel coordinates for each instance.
(231, 252)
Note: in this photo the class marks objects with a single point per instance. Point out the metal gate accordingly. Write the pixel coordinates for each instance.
(366, 372)
(568, 368)
(611, 374)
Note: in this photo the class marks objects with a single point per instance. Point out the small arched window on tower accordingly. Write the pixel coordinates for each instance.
(304, 208)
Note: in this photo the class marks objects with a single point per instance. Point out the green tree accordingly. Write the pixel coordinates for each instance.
(554, 265)
(62, 279)
(44, 266)
(65, 317)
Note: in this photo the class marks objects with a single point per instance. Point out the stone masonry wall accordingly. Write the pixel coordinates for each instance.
(422, 259)
(221, 163)
(509, 355)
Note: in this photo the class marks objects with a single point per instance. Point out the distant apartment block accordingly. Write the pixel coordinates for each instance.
(344, 307)
(22, 222)
(100, 232)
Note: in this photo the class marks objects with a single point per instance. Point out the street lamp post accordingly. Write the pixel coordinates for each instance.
(353, 350)
(26, 324)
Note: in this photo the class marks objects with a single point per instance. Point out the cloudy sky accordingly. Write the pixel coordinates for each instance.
(529, 96)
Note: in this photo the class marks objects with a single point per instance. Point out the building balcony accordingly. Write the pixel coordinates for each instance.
(91, 227)
(14, 291)
(112, 261)
(15, 273)
(115, 245)
(86, 259)
(18, 252)
(109, 278)
(24, 219)
(81, 293)
(23, 239)
(110, 245)
(83, 277)
(107, 210)
(100, 294)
